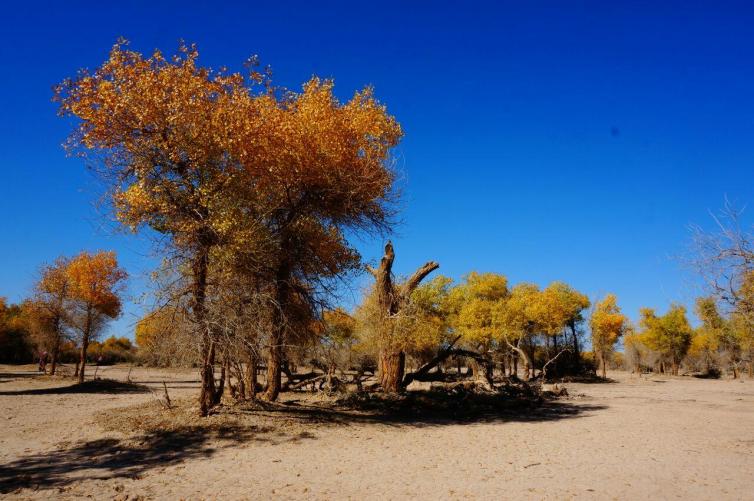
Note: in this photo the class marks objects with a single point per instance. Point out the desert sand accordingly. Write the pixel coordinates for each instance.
(648, 437)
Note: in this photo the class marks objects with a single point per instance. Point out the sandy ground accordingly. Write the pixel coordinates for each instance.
(637, 438)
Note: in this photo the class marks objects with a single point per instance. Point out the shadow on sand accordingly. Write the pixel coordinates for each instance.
(272, 424)
(105, 386)
(111, 458)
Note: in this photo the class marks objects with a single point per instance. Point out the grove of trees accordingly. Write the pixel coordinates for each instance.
(253, 194)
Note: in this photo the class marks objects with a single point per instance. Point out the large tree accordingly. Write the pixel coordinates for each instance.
(391, 301)
(229, 167)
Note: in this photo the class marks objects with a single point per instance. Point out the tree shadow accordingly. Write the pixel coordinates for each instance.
(588, 379)
(105, 386)
(425, 408)
(10, 376)
(112, 458)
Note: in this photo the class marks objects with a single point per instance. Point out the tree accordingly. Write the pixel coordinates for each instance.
(390, 302)
(517, 321)
(670, 335)
(564, 309)
(740, 345)
(229, 166)
(94, 282)
(711, 335)
(337, 337)
(475, 302)
(163, 337)
(608, 325)
(15, 343)
(429, 312)
(47, 311)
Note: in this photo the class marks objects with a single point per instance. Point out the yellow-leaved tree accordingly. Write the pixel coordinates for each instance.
(230, 167)
(95, 283)
(669, 335)
(608, 324)
(475, 303)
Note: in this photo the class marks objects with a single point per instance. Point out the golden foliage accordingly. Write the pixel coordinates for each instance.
(608, 324)
(94, 281)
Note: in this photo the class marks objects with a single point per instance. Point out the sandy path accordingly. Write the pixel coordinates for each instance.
(638, 438)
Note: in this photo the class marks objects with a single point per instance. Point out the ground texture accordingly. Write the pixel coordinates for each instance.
(634, 438)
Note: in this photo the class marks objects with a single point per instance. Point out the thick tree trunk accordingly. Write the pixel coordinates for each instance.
(278, 335)
(251, 376)
(751, 370)
(207, 392)
(274, 359)
(392, 367)
(207, 371)
(391, 300)
(224, 373)
(603, 365)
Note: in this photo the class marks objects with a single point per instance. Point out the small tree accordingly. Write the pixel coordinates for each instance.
(608, 325)
(475, 302)
(47, 311)
(670, 334)
(95, 281)
(517, 322)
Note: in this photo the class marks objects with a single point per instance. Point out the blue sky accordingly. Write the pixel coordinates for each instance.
(543, 141)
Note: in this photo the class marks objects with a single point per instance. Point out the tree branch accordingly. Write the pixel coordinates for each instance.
(413, 282)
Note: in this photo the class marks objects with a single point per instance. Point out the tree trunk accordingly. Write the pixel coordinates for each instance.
(603, 365)
(391, 300)
(392, 367)
(251, 376)
(207, 373)
(85, 343)
(224, 373)
(274, 359)
(207, 393)
(751, 370)
(54, 361)
(575, 340)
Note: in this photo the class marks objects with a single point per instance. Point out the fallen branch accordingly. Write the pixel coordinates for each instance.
(442, 355)
(305, 382)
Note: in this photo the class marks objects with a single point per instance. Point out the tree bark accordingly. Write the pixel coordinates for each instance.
(251, 376)
(277, 338)
(392, 366)
(391, 299)
(207, 391)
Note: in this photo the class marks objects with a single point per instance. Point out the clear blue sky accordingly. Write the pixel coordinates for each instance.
(543, 142)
